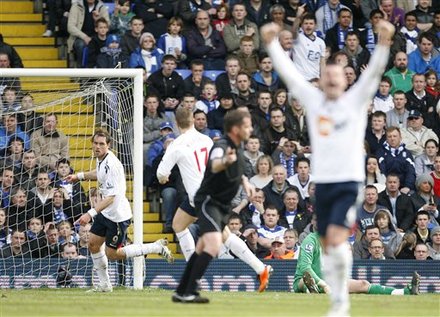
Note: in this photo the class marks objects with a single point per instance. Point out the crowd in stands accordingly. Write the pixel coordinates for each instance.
(207, 56)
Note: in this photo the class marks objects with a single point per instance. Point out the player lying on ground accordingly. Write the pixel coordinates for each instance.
(308, 276)
(190, 152)
(112, 214)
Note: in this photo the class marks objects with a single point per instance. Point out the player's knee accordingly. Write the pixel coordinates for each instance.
(365, 285)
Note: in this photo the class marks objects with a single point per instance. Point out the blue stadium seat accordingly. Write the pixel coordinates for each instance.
(111, 7)
(212, 74)
(85, 57)
(184, 73)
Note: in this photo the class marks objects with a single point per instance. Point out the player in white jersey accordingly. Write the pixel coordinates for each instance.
(112, 214)
(337, 123)
(190, 152)
(309, 50)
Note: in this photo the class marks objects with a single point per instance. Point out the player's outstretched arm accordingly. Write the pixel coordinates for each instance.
(300, 88)
(81, 176)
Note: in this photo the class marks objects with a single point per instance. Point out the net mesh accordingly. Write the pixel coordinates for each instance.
(47, 124)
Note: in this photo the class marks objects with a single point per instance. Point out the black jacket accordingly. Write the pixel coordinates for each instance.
(198, 49)
(166, 87)
(404, 209)
(152, 23)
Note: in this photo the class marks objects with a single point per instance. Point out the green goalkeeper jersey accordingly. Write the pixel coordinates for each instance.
(309, 258)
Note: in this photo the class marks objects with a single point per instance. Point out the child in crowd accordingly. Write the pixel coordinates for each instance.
(10, 102)
(97, 42)
(388, 233)
(411, 32)
(29, 120)
(383, 100)
(208, 101)
(5, 231)
(247, 56)
(110, 55)
(280, 98)
(432, 84)
(121, 17)
(67, 234)
(222, 18)
(35, 229)
(173, 42)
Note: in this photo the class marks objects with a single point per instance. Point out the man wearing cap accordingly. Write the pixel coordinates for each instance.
(215, 117)
(416, 134)
(434, 245)
(278, 250)
(166, 132)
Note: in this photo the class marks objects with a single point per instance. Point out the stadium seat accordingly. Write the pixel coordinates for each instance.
(184, 73)
(111, 7)
(212, 74)
(85, 57)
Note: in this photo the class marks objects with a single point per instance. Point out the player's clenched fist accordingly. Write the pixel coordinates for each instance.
(269, 32)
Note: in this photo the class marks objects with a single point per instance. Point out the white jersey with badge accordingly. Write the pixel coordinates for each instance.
(308, 54)
(190, 152)
(336, 127)
(111, 180)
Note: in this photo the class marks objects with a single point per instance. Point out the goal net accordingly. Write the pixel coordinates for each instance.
(48, 118)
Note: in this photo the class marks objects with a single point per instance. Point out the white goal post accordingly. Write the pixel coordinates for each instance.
(137, 76)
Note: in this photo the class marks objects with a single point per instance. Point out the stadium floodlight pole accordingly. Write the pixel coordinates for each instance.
(136, 74)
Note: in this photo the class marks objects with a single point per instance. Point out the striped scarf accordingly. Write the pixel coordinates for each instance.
(330, 16)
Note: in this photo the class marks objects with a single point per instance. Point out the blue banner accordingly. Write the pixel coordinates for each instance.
(222, 275)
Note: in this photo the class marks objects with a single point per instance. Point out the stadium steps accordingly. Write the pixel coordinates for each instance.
(23, 28)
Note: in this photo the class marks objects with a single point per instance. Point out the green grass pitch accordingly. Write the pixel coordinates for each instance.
(156, 302)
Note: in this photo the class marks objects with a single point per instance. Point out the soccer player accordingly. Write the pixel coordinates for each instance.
(337, 121)
(308, 275)
(190, 152)
(111, 215)
(223, 176)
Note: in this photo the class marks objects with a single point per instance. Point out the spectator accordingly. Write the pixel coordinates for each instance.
(411, 32)
(399, 204)
(293, 216)
(48, 143)
(277, 15)
(222, 18)
(17, 248)
(424, 14)
(435, 28)
(406, 248)
(434, 246)
(173, 42)
(263, 174)
(247, 55)
(58, 14)
(130, 40)
(18, 210)
(168, 84)
(416, 134)
(121, 17)
(270, 229)
(227, 82)
(425, 163)
(188, 9)
(98, 42)
(239, 27)
(376, 134)
(417, 98)
(81, 24)
(261, 114)
(250, 235)
(311, 227)
(424, 57)
(255, 209)
(67, 234)
(395, 158)
(157, 147)
(280, 98)
(84, 237)
(195, 81)
(7, 81)
(335, 36)
(376, 250)
(398, 117)
(383, 101)
(400, 74)
(291, 241)
(215, 117)
(266, 79)
(252, 153)
(278, 250)
(60, 208)
(432, 85)
(285, 37)
(146, 55)
(11, 130)
(13, 58)
(52, 248)
(201, 122)
(10, 102)
(29, 120)
(373, 174)
(111, 55)
(309, 49)
(358, 56)
(155, 15)
(258, 11)
(14, 153)
(421, 230)
(208, 100)
(276, 188)
(296, 119)
(70, 252)
(206, 43)
(276, 131)
(393, 14)
(35, 237)
(328, 14)
(360, 248)
(435, 174)
(153, 118)
(5, 231)
(189, 102)
(286, 155)
(424, 199)
(291, 8)
(388, 234)
(244, 94)
(368, 209)
(28, 170)
(7, 182)
(302, 178)
(421, 252)
(41, 195)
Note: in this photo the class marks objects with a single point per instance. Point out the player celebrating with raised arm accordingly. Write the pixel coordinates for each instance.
(223, 176)
(336, 120)
(111, 215)
(190, 152)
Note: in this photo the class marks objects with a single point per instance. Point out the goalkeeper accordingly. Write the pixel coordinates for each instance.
(308, 277)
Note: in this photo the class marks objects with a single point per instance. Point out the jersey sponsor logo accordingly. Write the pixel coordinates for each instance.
(325, 125)
(309, 247)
